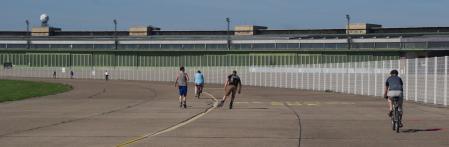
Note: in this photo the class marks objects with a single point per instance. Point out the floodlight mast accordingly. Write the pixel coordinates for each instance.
(228, 21)
(348, 28)
(27, 34)
(115, 33)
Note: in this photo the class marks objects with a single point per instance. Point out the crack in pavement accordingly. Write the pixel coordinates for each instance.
(299, 122)
(154, 94)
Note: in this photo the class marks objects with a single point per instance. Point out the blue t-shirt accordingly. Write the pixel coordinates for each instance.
(394, 83)
(199, 79)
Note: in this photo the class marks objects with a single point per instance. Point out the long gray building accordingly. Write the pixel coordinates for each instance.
(244, 45)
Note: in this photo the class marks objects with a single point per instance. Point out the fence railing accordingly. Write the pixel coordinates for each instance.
(425, 79)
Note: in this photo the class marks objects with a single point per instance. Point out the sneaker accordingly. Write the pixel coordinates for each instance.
(390, 114)
(185, 104)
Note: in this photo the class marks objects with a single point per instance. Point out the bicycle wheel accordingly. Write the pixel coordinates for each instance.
(396, 115)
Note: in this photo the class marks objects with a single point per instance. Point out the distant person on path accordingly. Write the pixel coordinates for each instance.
(181, 82)
(232, 84)
(394, 88)
(54, 74)
(71, 74)
(199, 83)
(106, 75)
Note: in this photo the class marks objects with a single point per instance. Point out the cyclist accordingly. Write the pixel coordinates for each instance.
(231, 85)
(199, 83)
(394, 88)
(181, 83)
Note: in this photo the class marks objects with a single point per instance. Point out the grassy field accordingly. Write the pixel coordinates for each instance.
(12, 90)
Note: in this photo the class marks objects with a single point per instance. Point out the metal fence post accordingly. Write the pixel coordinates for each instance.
(435, 80)
(348, 81)
(416, 79)
(406, 79)
(426, 66)
(368, 85)
(445, 80)
(375, 77)
(318, 68)
(340, 72)
(344, 71)
(302, 76)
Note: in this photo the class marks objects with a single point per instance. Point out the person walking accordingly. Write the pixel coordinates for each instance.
(106, 75)
(54, 74)
(181, 82)
(71, 74)
(232, 84)
(199, 83)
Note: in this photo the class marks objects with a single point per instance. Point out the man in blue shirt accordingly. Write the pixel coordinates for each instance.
(394, 88)
(199, 83)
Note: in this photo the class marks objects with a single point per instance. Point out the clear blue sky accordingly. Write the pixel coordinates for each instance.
(210, 14)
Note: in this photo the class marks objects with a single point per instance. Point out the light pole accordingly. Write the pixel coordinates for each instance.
(348, 19)
(28, 33)
(228, 21)
(115, 33)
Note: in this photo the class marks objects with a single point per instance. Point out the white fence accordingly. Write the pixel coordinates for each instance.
(425, 79)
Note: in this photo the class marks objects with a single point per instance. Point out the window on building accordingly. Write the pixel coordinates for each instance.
(264, 46)
(60, 46)
(438, 44)
(312, 45)
(83, 46)
(37, 46)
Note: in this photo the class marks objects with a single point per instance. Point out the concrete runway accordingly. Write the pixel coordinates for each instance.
(137, 113)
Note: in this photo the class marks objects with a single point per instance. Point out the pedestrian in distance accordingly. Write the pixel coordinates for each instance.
(199, 83)
(232, 85)
(106, 75)
(181, 83)
(71, 74)
(54, 74)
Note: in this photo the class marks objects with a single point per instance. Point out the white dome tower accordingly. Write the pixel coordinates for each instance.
(44, 20)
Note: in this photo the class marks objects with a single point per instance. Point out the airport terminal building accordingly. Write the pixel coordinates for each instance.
(242, 46)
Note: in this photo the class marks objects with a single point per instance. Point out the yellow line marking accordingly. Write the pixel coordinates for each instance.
(129, 142)
(347, 103)
(241, 102)
(290, 103)
(277, 103)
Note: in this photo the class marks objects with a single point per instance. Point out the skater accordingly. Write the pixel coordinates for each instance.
(232, 84)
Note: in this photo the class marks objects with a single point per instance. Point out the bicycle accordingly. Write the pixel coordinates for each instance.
(198, 90)
(396, 118)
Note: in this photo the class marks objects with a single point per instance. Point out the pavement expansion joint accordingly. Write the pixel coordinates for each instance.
(299, 123)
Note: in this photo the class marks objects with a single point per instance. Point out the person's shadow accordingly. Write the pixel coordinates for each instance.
(421, 130)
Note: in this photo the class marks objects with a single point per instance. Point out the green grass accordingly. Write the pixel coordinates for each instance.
(13, 90)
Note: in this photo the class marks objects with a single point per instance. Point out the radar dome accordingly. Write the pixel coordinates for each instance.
(44, 18)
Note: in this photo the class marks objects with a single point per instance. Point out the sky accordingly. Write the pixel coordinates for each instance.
(211, 14)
